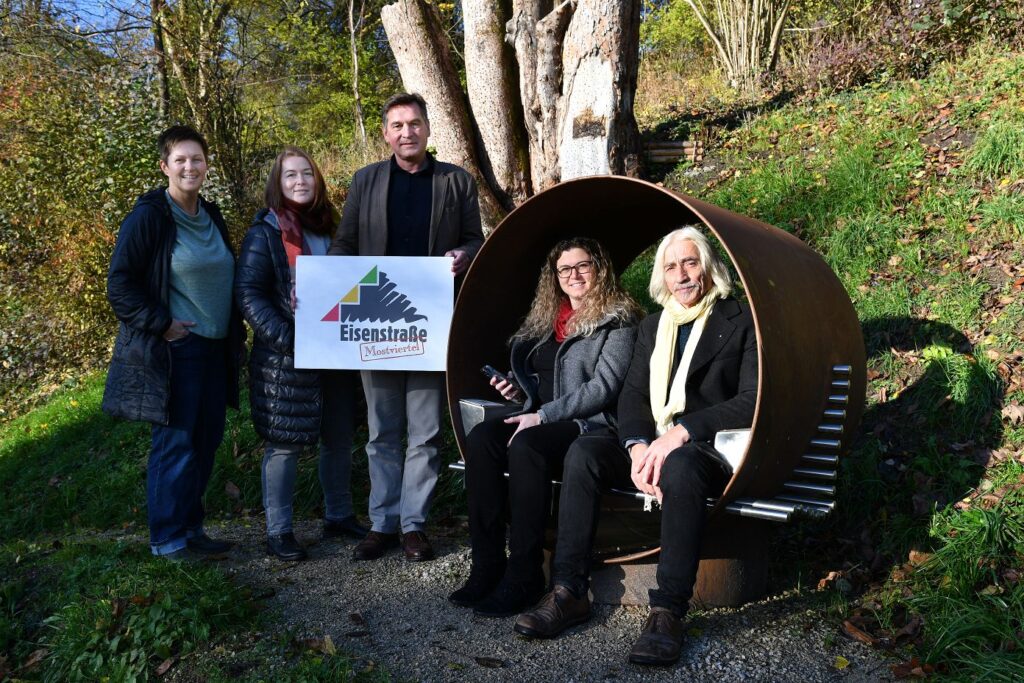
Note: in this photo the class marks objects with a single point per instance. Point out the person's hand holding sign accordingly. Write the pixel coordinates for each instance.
(460, 261)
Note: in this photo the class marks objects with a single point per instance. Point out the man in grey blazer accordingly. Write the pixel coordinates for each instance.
(408, 205)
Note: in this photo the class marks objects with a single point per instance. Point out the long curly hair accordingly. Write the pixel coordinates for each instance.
(605, 298)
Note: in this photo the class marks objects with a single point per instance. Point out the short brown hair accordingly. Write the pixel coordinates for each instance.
(175, 134)
(404, 98)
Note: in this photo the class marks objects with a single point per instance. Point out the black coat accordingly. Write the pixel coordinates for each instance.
(286, 402)
(721, 385)
(454, 214)
(138, 284)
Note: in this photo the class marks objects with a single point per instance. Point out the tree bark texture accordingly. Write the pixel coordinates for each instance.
(490, 83)
(424, 60)
(598, 132)
(353, 37)
(156, 21)
(572, 65)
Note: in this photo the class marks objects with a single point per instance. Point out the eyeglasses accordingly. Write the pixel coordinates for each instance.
(581, 268)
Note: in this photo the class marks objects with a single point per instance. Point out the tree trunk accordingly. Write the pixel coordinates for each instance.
(521, 33)
(424, 60)
(490, 83)
(352, 38)
(598, 132)
(745, 34)
(156, 8)
(550, 42)
(577, 70)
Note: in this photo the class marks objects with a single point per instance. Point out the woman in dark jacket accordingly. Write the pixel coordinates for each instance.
(175, 361)
(568, 360)
(287, 404)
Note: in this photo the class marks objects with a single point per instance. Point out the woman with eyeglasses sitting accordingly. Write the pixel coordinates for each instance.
(568, 362)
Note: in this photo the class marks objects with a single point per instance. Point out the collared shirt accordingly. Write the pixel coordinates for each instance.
(409, 206)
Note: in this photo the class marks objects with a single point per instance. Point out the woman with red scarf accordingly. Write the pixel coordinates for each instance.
(288, 404)
(568, 362)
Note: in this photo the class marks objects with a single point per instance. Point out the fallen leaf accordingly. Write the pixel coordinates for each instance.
(165, 666)
(841, 662)
(1014, 413)
(232, 491)
(829, 579)
(34, 659)
(917, 558)
(858, 634)
(489, 662)
(910, 629)
(323, 645)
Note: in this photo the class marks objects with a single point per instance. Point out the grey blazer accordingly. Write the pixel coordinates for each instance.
(454, 215)
(589, 372)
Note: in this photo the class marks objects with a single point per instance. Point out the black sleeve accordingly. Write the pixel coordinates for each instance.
(634, 413)
(346, 239)
(256, 292)
(128, 280)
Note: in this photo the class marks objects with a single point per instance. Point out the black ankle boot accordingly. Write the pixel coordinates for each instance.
(510, 597)
(482, 580)
(286, 547)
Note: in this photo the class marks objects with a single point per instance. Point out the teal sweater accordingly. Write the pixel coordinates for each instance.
(202, 274)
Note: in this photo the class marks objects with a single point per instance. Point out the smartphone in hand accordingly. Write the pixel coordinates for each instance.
(490, 371)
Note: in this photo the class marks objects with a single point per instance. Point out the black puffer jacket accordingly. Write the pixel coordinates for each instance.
(138, 284)
(285, 402)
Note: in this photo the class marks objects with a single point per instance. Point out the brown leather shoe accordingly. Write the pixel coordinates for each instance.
(374, 545)
(660, 641)
(556, 611)
(417, 547)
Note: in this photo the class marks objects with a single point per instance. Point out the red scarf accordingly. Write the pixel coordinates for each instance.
(565, 312)
(293, 219)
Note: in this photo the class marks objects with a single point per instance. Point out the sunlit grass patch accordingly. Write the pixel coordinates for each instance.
(107, 609)
(999, 151)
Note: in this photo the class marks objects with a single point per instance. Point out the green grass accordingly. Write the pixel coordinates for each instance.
(98, 610)
(105, 609)
(928, 248)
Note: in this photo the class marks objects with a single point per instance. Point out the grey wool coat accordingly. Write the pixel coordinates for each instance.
(589, 373)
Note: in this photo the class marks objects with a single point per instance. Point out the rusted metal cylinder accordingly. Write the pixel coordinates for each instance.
(810, 347)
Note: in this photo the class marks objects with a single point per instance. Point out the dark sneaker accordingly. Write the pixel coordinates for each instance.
(660, 640)
(374, 546)
(556, 611)
(286, 547)
(348, 527)
(481, 582)
(510, 598)
(204, 545)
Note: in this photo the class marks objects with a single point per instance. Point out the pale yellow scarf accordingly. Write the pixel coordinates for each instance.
(674, 315)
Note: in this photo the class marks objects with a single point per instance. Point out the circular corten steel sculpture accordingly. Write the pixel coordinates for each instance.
(811, 355)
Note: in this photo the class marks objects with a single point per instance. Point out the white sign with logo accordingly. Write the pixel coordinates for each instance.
(373, 312)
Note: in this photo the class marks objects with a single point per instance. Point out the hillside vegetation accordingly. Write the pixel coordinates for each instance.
(914, 193)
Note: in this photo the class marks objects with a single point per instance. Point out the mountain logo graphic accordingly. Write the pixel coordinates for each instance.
(374, 299)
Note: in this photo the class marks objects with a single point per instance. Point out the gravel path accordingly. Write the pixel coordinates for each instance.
(396, 614)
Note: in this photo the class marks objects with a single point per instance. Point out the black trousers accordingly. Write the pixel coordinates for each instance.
(596, 462)
(532, 460)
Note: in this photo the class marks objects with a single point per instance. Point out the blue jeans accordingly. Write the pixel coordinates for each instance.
(280, 460)
(181, 458)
